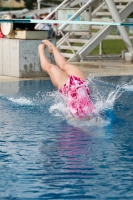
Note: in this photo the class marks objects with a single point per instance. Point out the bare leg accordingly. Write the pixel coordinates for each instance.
(69, 69)
(58, 77)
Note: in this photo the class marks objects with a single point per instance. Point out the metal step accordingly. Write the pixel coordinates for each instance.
(116, 37)
(81, 33)
(78, 40)
(100, 20)
(96, 27)
(119, 7)
(65, 47)
(122, 1)
(67, 55)
(103, 14)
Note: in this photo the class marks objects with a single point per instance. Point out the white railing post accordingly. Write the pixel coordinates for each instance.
(90, 18)
(38, 4)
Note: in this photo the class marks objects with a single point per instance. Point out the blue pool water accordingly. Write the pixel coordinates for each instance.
(44, 155)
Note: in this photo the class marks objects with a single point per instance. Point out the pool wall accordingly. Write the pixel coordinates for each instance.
(19, 58)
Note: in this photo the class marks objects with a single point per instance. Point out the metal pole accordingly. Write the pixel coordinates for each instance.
(39, 4)
(90, 19)
(100, 49)
(115, 14)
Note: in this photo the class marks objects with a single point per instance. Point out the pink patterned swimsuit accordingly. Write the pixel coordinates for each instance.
(77, 97)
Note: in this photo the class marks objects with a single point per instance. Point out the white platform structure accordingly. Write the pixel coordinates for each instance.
(98, 10)
(19, 58)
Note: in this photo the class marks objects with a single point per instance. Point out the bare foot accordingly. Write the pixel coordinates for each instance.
(49, 44)
(41, 47)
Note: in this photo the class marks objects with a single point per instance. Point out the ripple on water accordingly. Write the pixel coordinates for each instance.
(44, 155)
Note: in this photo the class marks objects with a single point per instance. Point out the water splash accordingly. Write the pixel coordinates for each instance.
(40, 98)
(128, 88)
(21, 101)
(103, 97)
(103, 101)
(58, 107)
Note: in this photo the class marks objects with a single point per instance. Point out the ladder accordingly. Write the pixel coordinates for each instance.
(80, 44)
(51, 15)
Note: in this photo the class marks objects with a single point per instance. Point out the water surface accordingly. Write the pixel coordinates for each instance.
(45, 156)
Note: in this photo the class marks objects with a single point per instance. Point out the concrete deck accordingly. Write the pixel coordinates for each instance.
(95, 68)
(106, 67)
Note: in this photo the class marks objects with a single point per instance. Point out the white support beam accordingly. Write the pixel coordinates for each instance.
(39, 4)
(116, 16)
(102, 34)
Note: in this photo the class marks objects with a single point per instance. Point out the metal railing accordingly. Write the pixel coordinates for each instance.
(52, 14)
(63, 26)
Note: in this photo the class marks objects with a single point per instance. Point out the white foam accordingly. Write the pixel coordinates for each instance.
(58, 109)
(102, 103)
(128, 87)
(21, 101)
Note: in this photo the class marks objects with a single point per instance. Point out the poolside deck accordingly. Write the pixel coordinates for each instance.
(106, 67)
(95, 67)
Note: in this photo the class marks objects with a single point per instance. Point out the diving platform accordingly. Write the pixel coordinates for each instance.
(19, 58)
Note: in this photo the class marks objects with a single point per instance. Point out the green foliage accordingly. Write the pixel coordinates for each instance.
(0, 3)
(131, 15)
(110, 47)
(30, 3)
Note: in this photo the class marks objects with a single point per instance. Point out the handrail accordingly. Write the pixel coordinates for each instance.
(60, 29)
(75, 15)
(53, 12)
